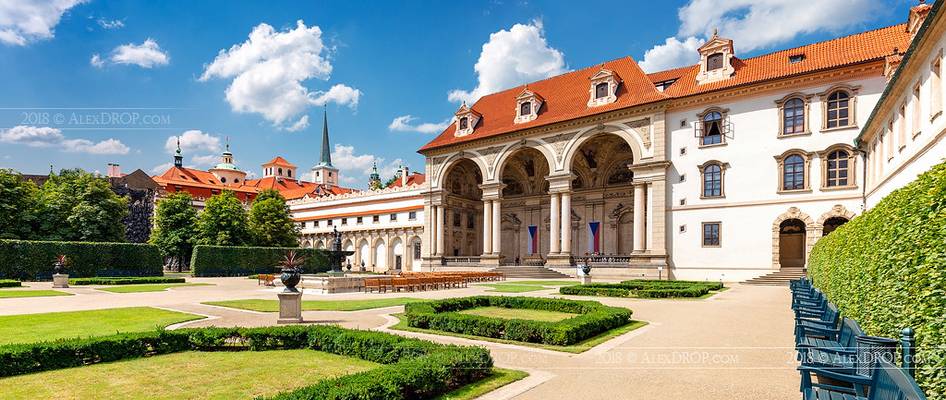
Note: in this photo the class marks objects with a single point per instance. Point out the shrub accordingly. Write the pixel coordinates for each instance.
(115, 280)
(242, 260)
(593, 319)
(411, 368)
(887, 269)
(33, 260)
(643, 289)
(9, 283)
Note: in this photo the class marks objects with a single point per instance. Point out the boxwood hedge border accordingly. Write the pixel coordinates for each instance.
(10, 283)
(248, 260)
(115, 280)
(642, 288)
(31, 260)
(411, 368)
(594, 318)
(886, 268)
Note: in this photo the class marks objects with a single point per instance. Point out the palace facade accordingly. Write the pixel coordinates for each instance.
(728, 169)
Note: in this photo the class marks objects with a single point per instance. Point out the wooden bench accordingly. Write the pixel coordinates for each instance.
(834, 350)
(265, 279)
(886, 382)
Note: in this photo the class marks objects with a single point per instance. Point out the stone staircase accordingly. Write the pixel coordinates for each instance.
(780, 277)
(529, 272)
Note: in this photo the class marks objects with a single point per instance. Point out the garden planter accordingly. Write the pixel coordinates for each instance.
(60, 280)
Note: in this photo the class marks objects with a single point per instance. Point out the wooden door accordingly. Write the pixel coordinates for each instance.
(792, 250)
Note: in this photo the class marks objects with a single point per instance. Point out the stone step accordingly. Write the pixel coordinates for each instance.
(781, 277)
(530, 272)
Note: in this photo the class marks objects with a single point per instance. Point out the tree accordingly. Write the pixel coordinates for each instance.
(223, 222)
(19, 200)
(270, 222)
(175, 228)
(79, 206)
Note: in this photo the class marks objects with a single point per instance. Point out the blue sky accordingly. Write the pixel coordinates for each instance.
(193, 69)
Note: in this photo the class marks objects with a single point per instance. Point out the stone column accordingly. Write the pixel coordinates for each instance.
(554, 225)
(497, 226)
(439, 225)
(649, 218)
(639, 204)
(487, 227)
(566, 224)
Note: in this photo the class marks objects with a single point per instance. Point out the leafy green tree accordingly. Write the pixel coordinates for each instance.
(19, 200)
(79, 206)
(223, 222)
(175, 228)
(270, 222)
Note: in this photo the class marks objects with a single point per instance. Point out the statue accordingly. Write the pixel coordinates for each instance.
(336, 255)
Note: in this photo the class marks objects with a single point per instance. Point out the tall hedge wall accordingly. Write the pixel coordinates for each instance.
(244, 260)
(33, 260)
(887, 270)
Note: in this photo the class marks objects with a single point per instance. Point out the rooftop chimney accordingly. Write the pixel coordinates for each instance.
(405, 171)
(114, 170)
(918, 14)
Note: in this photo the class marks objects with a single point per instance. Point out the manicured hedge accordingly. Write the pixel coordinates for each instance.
(412, 368)
(114, 280)
(28, 260)
(243, 260)
(593, 319)
(648, 289)
(887, 269)
(10, 283)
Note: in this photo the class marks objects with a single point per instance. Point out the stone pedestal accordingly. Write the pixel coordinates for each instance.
(290, 307)
(60, 280)
(492, 260)
(559, 260)
(585, 279)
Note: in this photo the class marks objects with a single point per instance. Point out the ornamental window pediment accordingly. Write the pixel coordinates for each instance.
(603, 88)
(716, 57)
(528, 105)
(465, 120)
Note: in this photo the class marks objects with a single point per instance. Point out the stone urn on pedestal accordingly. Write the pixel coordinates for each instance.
(290, 299)
(585, 272)
(60, 280)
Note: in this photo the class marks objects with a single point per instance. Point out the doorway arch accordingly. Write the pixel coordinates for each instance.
(807, 226)
(791, 242)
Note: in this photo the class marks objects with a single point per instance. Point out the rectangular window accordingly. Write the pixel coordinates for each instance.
(393, 217)
(916, 111)
(936, 89)
(359, 220)
(344, 221)
(711, 234)
(470, 221)
(901, 129)
(456, 219)
(315, 224)
(376, 219)
(888, 139)
(328, 222)
(412, 216)
(417, 250)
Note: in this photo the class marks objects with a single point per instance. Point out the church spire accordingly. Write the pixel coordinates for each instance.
(326, 158)
(178, 158)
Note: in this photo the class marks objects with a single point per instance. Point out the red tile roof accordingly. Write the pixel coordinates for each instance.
(566, 98)
(296, 189)
(289, 188)
(566, 95)
(197, 178)
(415, 178)
(279, 161)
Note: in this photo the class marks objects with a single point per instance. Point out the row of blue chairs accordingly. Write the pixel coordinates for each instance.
(839, 361)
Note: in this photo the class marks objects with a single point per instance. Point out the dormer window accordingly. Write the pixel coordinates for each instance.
(714, 61)
(604, 88)
(466, 120)
(528, 104)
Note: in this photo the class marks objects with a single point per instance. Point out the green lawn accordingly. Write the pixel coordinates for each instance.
(17, 292)
(575, 348)
(518, 313)
(29, 328)
(500, 377)
(512, 287)
(316, 305)
(200, 375)
(148, 287)
(565, 282)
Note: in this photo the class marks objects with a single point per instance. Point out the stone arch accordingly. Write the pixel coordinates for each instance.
(379, 259)
(396, 246)
(509, 150)
(444, 169)
(363, 253)
(318, 245)
(415, 262)
(629, 135)
(306, 244)
(349, 245)
(811, 229)
(837, 211)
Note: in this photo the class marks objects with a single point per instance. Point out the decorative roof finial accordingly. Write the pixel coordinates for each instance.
(715, 31)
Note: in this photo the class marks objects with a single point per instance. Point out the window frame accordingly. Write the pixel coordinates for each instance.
(936, 86)
(851, 92)
(602, 85)
(916, 122)
(701, 129)
(806, 171)
(851, 167)
(805, 109)
(719, 234)
(722, 178)
(713, 57)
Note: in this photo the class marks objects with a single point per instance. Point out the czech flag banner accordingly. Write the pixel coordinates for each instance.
(533, 239)
(594, 237)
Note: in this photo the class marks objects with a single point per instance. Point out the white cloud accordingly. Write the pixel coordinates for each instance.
(404, 124)
(25, 21)
(205, 160)
(110, 23)
(36, 136)
(97, 61)
(160, 168)
(146, 55)
(354, 168)
(267, 71)
(299, 125)
(193, 141)
(512, 58)
(753, 25)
